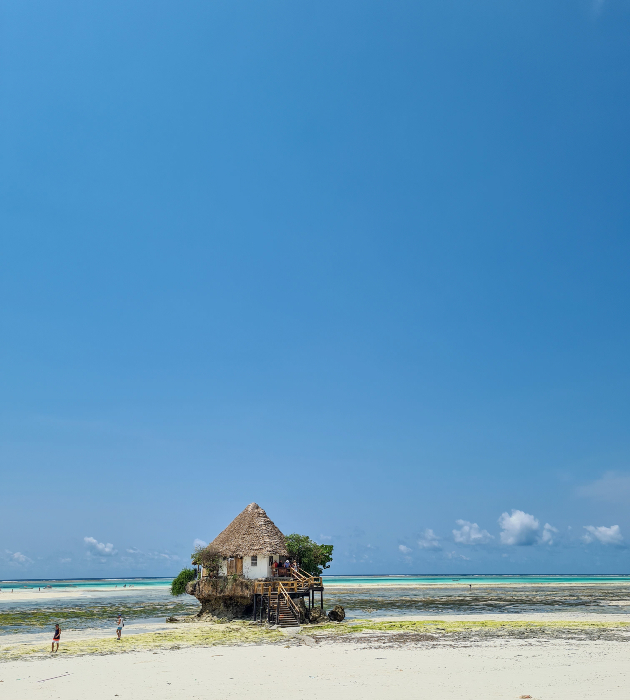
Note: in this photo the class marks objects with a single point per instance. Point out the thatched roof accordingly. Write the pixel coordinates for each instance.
(251, 532)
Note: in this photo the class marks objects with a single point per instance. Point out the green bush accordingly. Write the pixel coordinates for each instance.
(179, 582)
(312, 557)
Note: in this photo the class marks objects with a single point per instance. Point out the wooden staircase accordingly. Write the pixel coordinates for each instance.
(275, 599)
(282, 610)
(285, 615)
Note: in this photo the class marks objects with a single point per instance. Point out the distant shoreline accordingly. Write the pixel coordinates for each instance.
(438, 578)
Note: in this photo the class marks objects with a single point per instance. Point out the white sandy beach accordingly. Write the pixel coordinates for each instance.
(499, 671)
(463, 669)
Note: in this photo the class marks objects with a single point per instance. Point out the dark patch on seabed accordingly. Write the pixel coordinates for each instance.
(481, 599)
(73, 615)
(371, 602)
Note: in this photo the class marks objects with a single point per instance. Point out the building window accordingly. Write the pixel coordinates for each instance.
(271, 560)
(255, 561)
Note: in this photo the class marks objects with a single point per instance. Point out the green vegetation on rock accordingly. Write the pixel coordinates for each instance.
(179, 582)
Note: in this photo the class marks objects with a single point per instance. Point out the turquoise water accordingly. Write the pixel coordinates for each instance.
(95, 603)
(96, 584)
(388, 580)
(89, 604)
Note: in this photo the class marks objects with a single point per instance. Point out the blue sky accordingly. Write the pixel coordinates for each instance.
(363, 263)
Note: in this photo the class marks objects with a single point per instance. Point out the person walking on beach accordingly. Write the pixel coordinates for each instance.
(56, 638)
(120, 624)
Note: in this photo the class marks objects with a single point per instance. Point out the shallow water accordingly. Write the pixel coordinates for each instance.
(90, 604)
(604, 598)
(95, 604)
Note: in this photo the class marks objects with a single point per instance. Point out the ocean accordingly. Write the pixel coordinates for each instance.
(95, 603)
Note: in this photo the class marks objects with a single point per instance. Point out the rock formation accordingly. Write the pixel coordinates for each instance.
(317, 615)
(226, 597)
(337, 614)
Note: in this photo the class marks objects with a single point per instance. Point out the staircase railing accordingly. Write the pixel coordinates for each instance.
(289, 601)
(299, 575)
(266, 587)
(306, 579)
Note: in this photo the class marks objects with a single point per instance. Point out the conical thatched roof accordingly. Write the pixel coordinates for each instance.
(251, 532)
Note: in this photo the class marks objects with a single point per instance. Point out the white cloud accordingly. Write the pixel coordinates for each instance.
(470, 533)
(66, 560)
(20, 558)
(605, 535)
(519, 528)
(455, 555)
(429, 540)
(403, 549)
(163, 555)
(548, 533)
(96, 547)
(133, 550)
(199, 543)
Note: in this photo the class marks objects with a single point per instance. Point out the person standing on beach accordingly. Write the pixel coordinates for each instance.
(120, 624)
(56, 638)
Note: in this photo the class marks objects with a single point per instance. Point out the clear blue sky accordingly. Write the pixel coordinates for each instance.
(364, 263)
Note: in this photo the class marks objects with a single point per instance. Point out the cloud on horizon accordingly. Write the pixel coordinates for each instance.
(456, 555)
(604, 535)
(522, 529)
(470, 533)
(99, 548)
(429, 540)
(21, 558)
(547, 535)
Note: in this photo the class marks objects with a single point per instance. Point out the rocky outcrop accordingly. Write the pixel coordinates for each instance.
(337, 614)
(231, 598)
(317, 615)
(225, 597)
